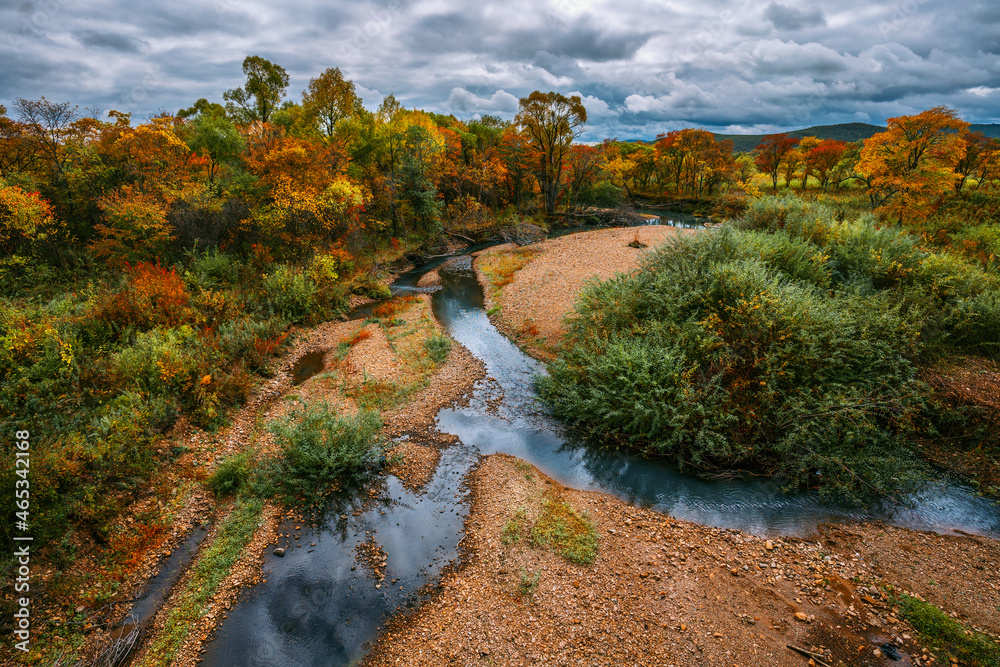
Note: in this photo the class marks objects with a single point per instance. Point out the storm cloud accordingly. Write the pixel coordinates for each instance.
(641, 67)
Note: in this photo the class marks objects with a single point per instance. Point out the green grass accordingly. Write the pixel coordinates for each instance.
(946, 637)
(513, 530)
(568, 533)
(438, 346)
(211, 569)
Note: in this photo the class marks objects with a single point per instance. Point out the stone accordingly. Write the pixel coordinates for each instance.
(801, 616)
(280, 552)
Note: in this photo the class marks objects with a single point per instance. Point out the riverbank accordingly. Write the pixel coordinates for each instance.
(382, 365)
(530, 289)
(668, 592)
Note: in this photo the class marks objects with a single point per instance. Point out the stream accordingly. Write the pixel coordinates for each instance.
(320, 606)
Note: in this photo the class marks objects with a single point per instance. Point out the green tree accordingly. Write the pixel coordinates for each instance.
(329, 99)
(552, 121)
(262, 94)
(203, 108)
(216, 138)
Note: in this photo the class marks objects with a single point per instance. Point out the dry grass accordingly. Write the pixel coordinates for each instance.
(501, 266)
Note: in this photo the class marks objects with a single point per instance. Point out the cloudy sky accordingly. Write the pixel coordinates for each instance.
(641, 67)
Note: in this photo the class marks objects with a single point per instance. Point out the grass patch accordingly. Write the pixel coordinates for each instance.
(233, 537)
(947, 637)
(378, 395)
(438, 346)
(500, 267)
(568, 533)
(231, 476)
(513, 530)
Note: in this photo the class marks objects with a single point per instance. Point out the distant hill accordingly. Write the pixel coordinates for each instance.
(991, 130)
(744, 143)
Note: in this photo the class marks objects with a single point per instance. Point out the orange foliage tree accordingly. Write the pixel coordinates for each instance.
(26, 222)
(770, 155)
(822, 159)
(912, 164)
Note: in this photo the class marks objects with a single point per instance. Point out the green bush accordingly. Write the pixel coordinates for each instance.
(321, 452)
(602, 195)
(772, 352)
(438, 346)
(231, 476)
(212, 269)
(160, 361)
(252, 341)
(291, 293)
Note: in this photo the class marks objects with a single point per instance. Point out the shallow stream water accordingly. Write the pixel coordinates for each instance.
(319, 606)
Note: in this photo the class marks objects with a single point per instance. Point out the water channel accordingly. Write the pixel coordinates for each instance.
(319, 606)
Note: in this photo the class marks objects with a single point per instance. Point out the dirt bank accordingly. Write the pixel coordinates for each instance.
(529, 302)
(667, 592)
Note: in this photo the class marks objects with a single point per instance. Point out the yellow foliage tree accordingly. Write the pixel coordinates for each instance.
(26, 222)
(135, 227)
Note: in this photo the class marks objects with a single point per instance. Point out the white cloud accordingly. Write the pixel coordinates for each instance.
(464, 101)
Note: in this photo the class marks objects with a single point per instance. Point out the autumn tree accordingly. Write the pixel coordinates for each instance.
(552, 121)
(47, 125)
(17, 150)
(980, 159)
(261, 96)
(202, 108)
(912, 164)
(769, 156)
(329, 99)
(26, 223)
(802, 152)
(694, 161)
(823, 158)
(519, 156)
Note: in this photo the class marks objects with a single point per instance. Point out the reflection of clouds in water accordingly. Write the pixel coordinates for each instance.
(516, 424)
(313, 609)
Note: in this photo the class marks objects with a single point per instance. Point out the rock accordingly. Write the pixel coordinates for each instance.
(280, 552)
(877, 653)
(801, 616)
(769, 545)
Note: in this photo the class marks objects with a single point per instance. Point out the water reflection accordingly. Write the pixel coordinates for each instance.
(504, 416)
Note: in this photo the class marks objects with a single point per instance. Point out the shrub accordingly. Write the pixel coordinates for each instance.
(438, 346)
(152, 296)
(252, 341)
(322, 452)
(160, 361)
(729, 350)
(231, 476)
(212, 269)
(291, 293)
